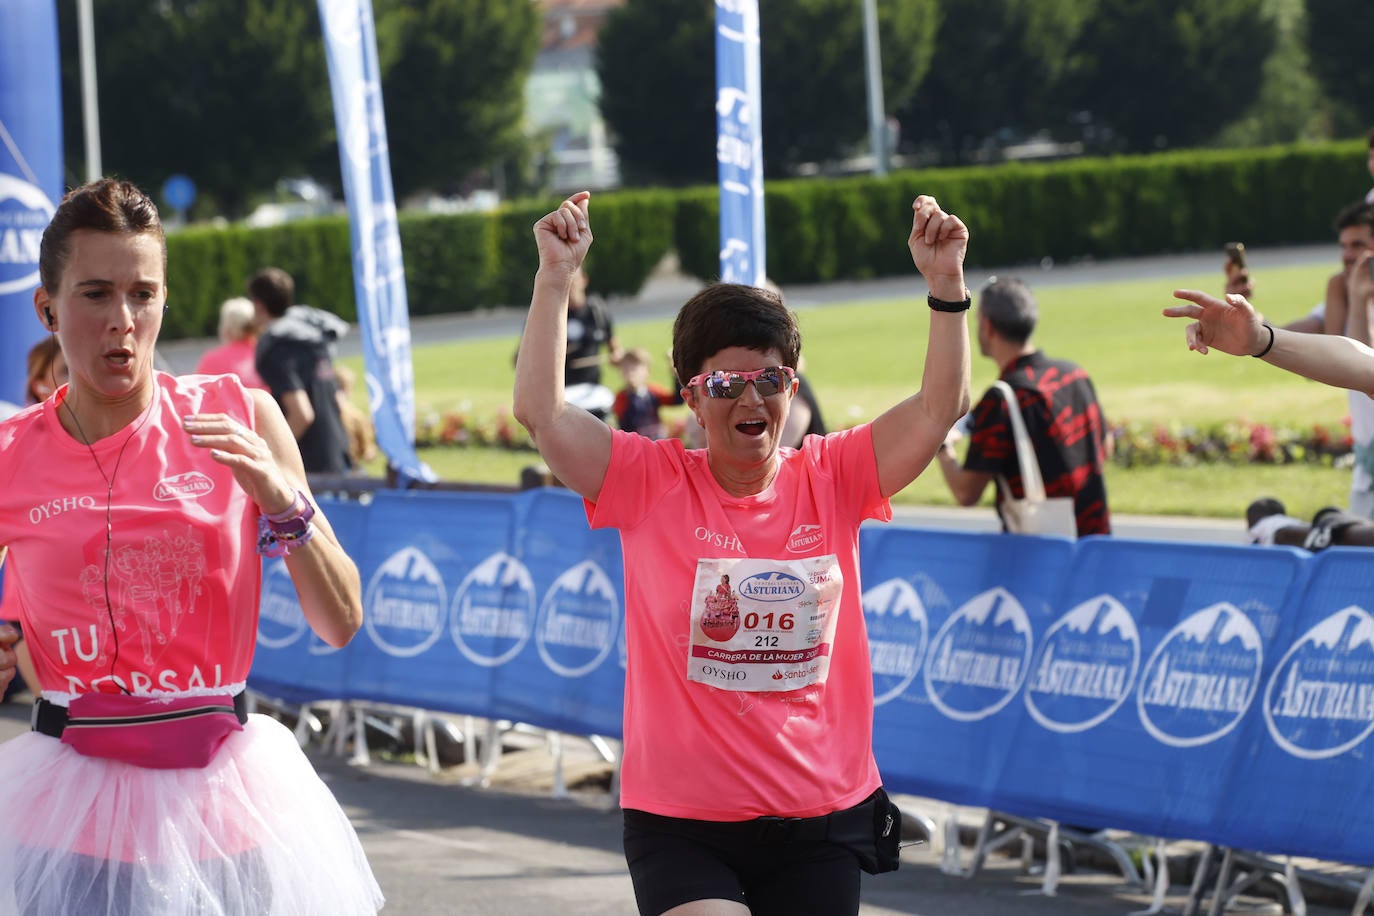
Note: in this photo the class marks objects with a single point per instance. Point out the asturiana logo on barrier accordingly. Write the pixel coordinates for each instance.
(897, 629)
(979, 658)
(1202, 678)
(1085, 667)
(24, 212)
(1320, 699)
(406, 602)
(493, 611)
(578, 621)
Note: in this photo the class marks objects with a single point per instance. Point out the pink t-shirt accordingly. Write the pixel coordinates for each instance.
(171, 606)
(236, 358)
(699, 751)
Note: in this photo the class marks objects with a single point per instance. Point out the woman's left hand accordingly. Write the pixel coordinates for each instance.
(938, 241)
(245, 453)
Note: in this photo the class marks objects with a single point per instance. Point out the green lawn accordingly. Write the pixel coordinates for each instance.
(863, 357)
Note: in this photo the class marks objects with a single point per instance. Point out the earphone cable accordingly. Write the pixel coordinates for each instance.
(109, 516)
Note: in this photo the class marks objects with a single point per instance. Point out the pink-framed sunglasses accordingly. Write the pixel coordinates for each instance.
(727, 383)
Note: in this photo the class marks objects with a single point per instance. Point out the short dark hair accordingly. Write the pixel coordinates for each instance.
(103, 205)
(1371, 138)
(1357, 213)
(1010, 308)
(274, 288)
(727, 315)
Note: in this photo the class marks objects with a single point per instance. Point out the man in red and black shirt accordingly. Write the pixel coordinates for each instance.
(1059, 406)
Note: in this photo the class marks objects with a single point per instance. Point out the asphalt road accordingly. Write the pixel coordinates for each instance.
(441, 848)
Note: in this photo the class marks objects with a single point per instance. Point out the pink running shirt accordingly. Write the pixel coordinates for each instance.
(173, 606)
(694, 750)
(236, 358)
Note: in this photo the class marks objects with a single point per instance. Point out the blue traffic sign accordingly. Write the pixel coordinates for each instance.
(179, 192)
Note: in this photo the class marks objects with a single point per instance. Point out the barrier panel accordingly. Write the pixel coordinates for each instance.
(1210, 692)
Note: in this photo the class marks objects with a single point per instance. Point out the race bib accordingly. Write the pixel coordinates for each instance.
(763, 625)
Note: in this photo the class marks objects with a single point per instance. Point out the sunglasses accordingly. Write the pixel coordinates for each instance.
(725, 383)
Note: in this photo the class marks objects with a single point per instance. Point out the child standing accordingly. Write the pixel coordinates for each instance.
(638, 402)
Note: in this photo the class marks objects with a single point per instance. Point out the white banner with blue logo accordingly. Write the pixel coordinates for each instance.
(739, 142)
(30, 175)
(379, 281)
(1192, 691)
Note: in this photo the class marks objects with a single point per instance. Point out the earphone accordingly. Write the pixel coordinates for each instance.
(47, 313)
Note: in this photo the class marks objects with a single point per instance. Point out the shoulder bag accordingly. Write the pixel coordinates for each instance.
(1035, 513)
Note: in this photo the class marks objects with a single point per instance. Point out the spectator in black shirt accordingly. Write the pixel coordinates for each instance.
(295, 360)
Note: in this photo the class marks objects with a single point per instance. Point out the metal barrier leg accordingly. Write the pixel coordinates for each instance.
(1366, 891)
(560, 786)
(1156, 876)
(361, 755)
(950, 862)
(1195, 891)
(1222, 892)
(1297, 903)
(1050, 885)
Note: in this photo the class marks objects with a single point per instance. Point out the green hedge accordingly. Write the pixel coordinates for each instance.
(818, 229)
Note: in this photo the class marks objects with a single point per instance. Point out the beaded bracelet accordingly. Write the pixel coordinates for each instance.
(272, 544)
(282, 532)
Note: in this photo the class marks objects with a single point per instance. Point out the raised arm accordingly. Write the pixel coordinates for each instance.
(574, 444)
(1233, 326)
(906, 436)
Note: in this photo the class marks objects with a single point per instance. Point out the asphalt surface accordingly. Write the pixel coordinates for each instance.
(442, 848)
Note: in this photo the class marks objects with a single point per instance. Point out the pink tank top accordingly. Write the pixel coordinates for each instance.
(168, 604)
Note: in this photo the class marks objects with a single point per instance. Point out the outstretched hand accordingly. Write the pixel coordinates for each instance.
(1231, 325)
(564, 235)
(938, 242)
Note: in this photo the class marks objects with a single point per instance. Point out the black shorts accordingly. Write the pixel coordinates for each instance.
(765, 864)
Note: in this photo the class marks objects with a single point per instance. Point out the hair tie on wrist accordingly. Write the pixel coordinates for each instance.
(941, 305)
(1265, 352)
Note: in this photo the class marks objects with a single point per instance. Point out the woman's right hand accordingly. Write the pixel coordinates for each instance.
(564, 235)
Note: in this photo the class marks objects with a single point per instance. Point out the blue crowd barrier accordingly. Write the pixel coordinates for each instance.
(1211, 692)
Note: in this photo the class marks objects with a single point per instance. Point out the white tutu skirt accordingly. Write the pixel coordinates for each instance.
(256, 832)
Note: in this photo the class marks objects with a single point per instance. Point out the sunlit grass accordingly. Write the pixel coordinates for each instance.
(863, 357)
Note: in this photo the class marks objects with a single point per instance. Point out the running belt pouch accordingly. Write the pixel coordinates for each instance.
(872, 831)
(159, 733)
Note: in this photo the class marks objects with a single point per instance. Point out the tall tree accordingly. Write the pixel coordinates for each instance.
(233, 93)
(999, 67)
(1338, 46)
(1162, 74)
(815, 100)
(453, 85)
(656, 61)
